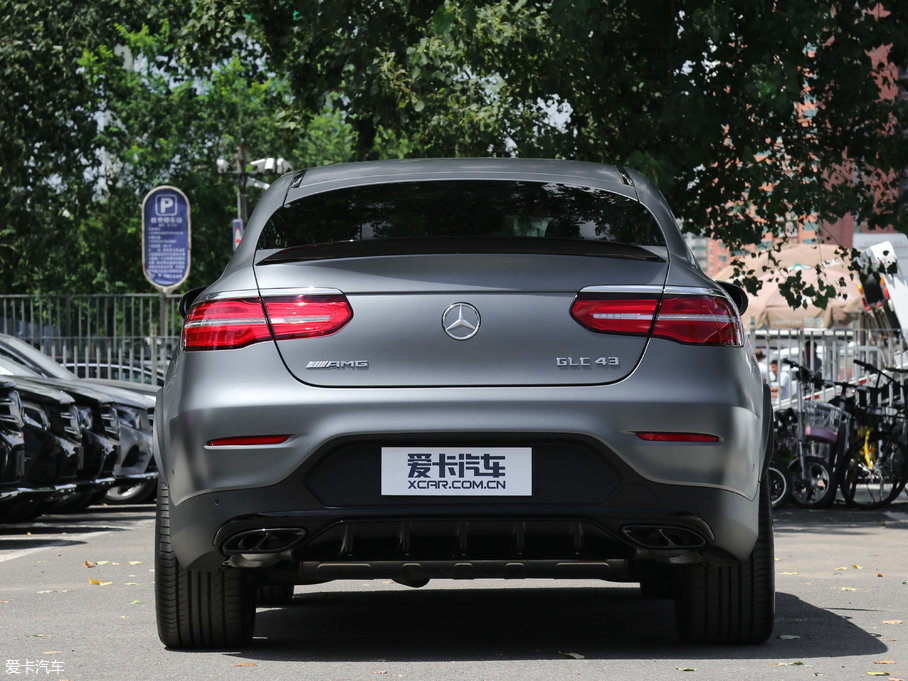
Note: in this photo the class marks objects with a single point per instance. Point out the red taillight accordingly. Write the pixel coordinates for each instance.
(232, 323)
(696, 319)
(237, 322)
(304, 316)
(701, 320)
(615, 313)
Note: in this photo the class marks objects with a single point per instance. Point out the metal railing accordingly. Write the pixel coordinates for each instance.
(123, 333)
(830, 352)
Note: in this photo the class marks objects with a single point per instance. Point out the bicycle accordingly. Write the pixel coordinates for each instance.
(874, 468)
(807, 446)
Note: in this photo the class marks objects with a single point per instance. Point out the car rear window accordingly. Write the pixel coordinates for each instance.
(461, 209)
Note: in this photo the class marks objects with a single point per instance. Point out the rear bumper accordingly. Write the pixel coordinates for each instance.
(592, 506)
(337, 525)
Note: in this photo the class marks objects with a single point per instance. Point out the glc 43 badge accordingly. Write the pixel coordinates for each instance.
(586, 361)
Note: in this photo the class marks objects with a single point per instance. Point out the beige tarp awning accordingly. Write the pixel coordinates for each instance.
(769, 307)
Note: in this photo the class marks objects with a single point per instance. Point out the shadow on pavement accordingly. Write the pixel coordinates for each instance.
(57, 530)
(524, 624)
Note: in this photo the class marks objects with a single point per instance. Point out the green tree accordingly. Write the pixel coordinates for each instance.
(743, 112)
(747, 114)
(163, 125)
(129, 116)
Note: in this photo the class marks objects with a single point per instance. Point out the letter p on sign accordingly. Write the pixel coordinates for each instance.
(165, 205)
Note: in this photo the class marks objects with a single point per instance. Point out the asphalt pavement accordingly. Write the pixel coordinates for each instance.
(76, 603)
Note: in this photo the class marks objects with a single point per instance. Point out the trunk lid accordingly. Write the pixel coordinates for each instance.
(451, 320)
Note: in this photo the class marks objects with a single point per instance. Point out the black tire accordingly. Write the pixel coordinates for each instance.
(274, 594)
(198, 608)
(779, 486)
(731, 604)
(813, 486)
(135, 493)
(875, 484)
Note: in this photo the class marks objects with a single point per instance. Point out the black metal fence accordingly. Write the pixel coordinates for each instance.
(118, 336)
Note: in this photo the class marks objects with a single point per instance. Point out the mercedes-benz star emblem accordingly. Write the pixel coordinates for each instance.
(461, 321)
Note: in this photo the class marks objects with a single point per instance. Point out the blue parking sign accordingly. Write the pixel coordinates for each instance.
(166, 237)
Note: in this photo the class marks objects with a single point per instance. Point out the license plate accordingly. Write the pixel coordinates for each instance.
(457, 471)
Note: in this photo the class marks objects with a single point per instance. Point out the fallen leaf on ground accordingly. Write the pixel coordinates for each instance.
(686, 669)
(892, 621)
(575, 656)
(848, 588)
(245, 664)
(789, 664)
(97, 583)
(884, 662)
(788, 637)
(137, 562)
(89, 564)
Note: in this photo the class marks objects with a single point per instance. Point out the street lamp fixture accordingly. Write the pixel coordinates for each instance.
(246, 177)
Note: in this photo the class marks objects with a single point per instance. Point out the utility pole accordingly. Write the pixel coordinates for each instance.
(242, 204)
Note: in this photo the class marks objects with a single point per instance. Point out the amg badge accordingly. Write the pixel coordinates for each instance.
(338, 364)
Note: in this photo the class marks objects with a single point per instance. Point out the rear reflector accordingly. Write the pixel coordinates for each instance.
(237, 322)
(695, 319)
(677, 437)
(248, 441)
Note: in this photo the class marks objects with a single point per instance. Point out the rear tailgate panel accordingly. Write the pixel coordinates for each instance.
(525, 334)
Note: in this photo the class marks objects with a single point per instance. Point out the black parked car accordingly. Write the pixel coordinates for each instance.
(52, 448)
(12, 442)
(134, 473)
(100, 429)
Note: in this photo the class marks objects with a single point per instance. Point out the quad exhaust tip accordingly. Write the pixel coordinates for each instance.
(662, 537)
(263, 541)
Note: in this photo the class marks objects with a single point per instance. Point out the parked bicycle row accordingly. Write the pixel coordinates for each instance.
(842, 438)
(66, 442)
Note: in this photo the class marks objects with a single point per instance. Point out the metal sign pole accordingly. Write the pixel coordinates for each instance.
(166, 250)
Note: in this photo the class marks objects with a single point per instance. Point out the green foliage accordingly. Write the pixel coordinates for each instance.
(101, 101)
(129, 116)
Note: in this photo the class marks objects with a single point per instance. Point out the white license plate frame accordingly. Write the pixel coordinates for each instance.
(457, 471)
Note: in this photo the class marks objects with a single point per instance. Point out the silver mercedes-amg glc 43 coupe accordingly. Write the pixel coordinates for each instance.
(459, 369)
